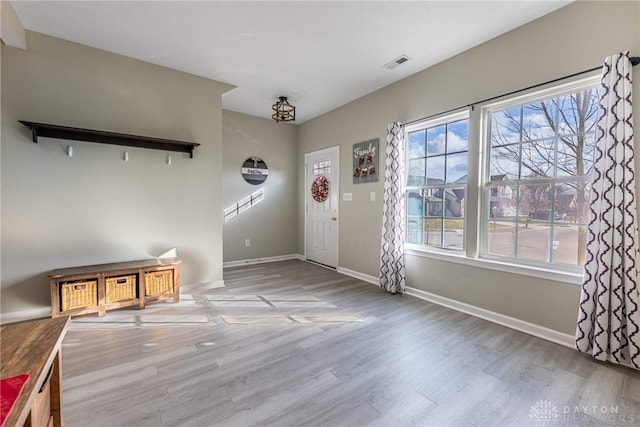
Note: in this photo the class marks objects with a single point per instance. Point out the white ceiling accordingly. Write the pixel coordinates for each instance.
(321, 54)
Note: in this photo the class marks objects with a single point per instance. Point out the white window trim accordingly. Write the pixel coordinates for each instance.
(534, 95)
(437, 121)
(473, 254)
(459, 257)
(429, 123)
(485, 112)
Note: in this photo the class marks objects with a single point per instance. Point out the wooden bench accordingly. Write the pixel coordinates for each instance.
(102, 287)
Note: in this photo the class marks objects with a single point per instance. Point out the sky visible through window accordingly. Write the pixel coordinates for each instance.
(540, 162)
(550, 138)
(535, 187)
(439, 154)
(437, 176)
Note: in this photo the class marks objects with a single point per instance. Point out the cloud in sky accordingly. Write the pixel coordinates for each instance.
(439, 153)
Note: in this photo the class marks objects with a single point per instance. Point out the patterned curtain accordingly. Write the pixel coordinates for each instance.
(393, 214)
(609, 320)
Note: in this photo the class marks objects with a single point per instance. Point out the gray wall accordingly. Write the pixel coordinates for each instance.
(270, 225)
(574, 38)
(93, 207)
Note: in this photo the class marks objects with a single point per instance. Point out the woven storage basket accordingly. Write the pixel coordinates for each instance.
(78, 294)
(158, 282)
(120, 288)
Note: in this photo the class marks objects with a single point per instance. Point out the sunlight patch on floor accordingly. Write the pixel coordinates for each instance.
(301, 319)
(328, 318)
(146, 320)
(281, 301)
(248, 320)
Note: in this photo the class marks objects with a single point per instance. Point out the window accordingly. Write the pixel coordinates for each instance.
(322, 168)
(536, 189)
(515, 194)
(437, 157)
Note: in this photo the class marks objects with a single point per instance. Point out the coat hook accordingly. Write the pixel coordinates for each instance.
(125, 156)
(69, 151)
(168, 160)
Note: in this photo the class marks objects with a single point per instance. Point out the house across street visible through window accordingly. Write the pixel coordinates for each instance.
(540, 159)
(532, 169)
(436, 183)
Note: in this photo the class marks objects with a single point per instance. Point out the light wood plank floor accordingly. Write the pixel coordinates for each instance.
(384, 360)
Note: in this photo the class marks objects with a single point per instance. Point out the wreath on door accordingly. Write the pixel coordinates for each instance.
(320, 189)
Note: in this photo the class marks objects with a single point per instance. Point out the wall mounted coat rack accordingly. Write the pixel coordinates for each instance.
(103, 137)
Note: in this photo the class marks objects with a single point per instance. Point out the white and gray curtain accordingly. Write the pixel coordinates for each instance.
(392, 276)
(609, 317)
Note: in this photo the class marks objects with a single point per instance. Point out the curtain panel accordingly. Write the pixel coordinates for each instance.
(392, 272)
(609, 318)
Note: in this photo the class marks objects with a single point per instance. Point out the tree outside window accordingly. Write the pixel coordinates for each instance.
(541, 155)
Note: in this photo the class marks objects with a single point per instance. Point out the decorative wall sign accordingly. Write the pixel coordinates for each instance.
(255, 171)
(320, 189)
(365, 161)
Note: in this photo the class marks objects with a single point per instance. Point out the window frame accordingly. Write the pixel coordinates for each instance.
(477, 203)
(485, 173)
(428, 124)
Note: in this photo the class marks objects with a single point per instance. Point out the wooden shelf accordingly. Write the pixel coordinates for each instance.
(103, 137)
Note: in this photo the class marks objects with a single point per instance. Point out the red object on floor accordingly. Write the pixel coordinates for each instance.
(10, 389)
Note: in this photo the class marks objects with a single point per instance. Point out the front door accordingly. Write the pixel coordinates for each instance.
(322, 190)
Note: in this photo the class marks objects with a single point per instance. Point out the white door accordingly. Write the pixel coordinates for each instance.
(322, 210)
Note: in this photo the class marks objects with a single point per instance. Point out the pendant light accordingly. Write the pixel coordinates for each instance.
(283, 111)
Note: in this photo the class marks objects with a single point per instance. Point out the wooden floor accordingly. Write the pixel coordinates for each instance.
(367, 358)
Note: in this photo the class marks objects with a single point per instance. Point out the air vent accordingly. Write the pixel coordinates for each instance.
(398, 61)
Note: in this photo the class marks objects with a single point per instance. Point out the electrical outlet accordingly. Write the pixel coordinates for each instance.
(247, 242)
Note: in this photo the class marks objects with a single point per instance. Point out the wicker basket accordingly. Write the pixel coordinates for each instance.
(158, 282)
(121, 288)
(79, 294)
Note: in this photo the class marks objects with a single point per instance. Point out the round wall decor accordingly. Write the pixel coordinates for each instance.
(255, 171)
(320, 188)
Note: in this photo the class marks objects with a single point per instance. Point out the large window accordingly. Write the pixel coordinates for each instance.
(437, 158)
(516, 192)
(536, 192)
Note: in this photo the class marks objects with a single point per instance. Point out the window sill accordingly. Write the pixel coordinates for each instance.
(460, 258)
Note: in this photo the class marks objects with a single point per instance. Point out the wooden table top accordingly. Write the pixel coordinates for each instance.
(29, 348)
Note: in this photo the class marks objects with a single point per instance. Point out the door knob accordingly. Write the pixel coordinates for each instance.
(333, 218)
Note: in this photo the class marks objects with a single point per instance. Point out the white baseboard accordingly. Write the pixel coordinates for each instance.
(19, 316)
(501, 319)
(261, 260)
(365, 277)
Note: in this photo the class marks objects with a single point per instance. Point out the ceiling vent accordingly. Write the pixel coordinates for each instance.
(398, 61)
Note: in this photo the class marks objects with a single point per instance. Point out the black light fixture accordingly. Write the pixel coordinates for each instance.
(284, 112)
